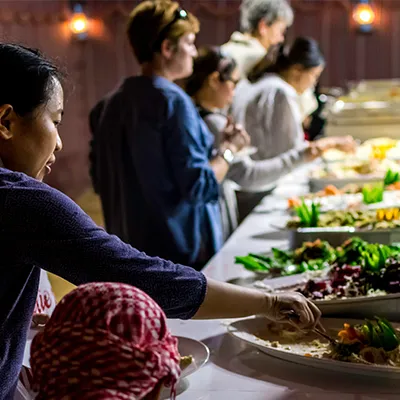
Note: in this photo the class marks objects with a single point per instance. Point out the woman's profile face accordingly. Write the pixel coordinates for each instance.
(308, 78)
(29, 143)
(225, 90)
(182, 60)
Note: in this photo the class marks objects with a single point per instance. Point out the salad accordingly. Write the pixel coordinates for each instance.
(373, 342)
(356, 268)
(312, 256)
(359, 269)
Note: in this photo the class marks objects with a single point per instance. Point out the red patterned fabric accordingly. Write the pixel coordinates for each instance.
(104, 341)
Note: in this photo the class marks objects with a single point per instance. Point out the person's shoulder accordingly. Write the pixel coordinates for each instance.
(28, 202)
(276, 84)
(171, 90)
(21, 190)
(178, 100)
(10, 180)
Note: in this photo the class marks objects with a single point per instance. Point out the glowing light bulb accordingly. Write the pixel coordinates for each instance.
(79, 24)
(364, 14)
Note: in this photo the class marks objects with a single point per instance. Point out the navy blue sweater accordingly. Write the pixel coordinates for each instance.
(42, 228)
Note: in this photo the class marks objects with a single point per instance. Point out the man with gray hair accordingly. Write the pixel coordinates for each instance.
(263, 24)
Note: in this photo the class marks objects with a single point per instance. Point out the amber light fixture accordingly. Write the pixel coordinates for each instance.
(79, 23)
(364, 16)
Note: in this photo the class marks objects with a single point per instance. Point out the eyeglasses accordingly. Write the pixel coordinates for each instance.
(180, 14)
(234, 81)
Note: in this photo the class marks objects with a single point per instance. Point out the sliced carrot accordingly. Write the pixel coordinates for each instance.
(307, 355)
(343, 334)
(293, 202)
(331, 190)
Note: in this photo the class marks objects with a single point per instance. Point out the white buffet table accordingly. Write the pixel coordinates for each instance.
(237, 371)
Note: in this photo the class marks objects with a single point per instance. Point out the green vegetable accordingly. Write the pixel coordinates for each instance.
(281, 256)
(391, 177)
(366, 332)
(252, 264)
(388, 324)
(308, 215)
(373, 194)
(319, 255)
(389, 339)
(260, 257)
(380, 334)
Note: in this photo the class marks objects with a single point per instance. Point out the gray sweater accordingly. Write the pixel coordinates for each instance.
(256, 175)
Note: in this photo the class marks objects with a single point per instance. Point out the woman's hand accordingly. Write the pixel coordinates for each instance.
(312, 152)
(224, 300)
(282, 307)
(345, 143)
(342, 143)
(234, 137)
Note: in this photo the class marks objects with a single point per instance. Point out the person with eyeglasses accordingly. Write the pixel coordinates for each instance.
(152, 157)
(212, 88)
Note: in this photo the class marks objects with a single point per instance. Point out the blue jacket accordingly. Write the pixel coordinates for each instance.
(150, 165)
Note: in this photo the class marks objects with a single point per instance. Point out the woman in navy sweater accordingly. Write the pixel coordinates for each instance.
(40, 228)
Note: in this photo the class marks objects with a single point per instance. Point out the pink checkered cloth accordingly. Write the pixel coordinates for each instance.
(104, 341)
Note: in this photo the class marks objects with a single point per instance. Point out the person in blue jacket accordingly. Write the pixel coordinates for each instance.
(152, 156)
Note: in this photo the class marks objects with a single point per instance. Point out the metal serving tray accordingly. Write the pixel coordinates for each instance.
(336, 236)
(317, 184)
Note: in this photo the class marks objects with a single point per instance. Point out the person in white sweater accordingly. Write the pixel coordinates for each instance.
(263, 25)
(268, 106)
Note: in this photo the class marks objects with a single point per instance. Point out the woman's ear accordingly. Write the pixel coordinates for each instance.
(168, 49)
(6, 116)
(214, 80)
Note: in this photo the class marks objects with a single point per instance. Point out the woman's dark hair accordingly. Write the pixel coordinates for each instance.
(28, 78)
(304, 52)
(209, 60)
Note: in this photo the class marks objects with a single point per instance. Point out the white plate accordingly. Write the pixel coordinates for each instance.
(246, 152)
(198, 350)
(186, 347)
(247, 329)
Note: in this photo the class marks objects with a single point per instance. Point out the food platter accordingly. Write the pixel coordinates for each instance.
(251, 331)
(351, 171)
(317, 184)
(338, 235)
(354, 279)
(356, 307)
(354, 201)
